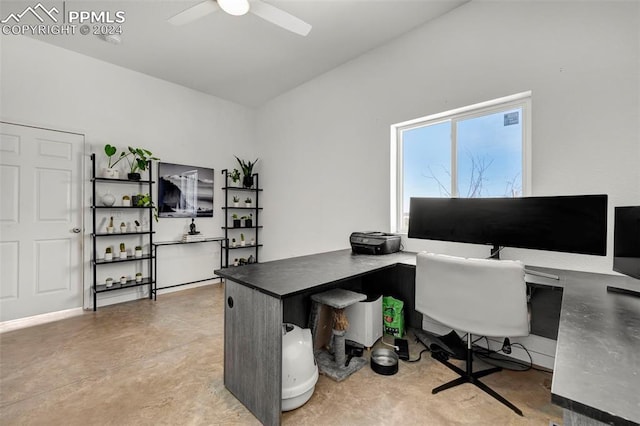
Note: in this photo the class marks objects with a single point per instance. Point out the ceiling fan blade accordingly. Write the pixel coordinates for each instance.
(279, 17)
(194, 12)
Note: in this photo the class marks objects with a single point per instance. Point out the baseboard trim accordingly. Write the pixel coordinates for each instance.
(25, 322)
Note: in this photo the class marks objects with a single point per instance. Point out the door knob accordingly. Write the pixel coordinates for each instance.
(76, 230)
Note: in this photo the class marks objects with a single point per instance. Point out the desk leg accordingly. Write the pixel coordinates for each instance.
(253, 350)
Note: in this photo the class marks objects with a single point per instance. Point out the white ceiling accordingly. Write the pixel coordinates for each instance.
(246, 59)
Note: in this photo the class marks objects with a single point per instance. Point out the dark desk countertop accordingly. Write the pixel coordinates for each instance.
(288, 277)
(597, 365)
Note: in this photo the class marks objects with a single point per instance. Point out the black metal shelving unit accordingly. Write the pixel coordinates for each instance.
(255, 209)
(97, 262)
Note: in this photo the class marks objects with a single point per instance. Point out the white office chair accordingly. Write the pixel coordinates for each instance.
(478, 296)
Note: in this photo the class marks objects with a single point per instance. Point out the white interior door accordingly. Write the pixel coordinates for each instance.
(40, 221)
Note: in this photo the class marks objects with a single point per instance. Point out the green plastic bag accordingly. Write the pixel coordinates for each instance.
(393, 316)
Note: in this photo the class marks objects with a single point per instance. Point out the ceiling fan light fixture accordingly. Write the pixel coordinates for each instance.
(234, 7)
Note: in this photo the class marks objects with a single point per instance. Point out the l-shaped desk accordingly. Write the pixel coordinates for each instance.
(597, 364)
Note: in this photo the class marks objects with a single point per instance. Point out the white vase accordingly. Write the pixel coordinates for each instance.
(138, 278)
(108, 199)
(111, 173)
(110, 229)
(123, 280)
(123, 229)
(247, 205)
(126, 203)
(123, 255)
(242, 243)
(108, 256)
(138, 253)
(108, 282)
(236, 204)
(138, 228)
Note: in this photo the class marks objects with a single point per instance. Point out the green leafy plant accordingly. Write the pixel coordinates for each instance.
(235, 175)
(248, 200)
(241, 237)
(138, 247)
(138, 158)
(234, 216)
(122, 224)
(107, 250)
(122, 247)
(246, 166)
(236, 199)
(110, 150)
(144, 200)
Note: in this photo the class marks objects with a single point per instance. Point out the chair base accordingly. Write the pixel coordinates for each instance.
(470, 377)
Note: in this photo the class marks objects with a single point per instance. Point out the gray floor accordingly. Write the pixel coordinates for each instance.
(148, 362)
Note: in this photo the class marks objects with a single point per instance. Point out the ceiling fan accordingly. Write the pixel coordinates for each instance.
(240, 7)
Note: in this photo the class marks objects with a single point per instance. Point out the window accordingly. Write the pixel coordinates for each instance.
(477, 151)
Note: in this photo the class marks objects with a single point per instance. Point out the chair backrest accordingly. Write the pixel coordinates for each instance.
(484, 297)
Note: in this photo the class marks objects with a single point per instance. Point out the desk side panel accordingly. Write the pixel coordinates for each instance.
(253, 350)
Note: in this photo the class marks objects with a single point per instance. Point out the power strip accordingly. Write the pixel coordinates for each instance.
(403, 349)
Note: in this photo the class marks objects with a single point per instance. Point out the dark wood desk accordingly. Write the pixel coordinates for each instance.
(260, 297)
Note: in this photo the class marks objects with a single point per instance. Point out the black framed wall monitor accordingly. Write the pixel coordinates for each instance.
(573, 223)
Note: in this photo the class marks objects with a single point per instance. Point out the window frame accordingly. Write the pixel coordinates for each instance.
(519, 100)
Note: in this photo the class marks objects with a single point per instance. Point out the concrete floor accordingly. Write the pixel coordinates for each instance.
(160, 363)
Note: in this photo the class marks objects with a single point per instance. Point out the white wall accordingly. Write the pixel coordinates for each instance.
(326, 142)
(51, 87)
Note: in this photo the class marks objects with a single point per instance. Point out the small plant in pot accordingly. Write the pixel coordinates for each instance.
(126, 201)
(123, 251)
(138, 227)
(236, 221)
(123, 280)
(108, 282)
(138, 159)
(236, 201)
(253, 242)
(248, 221)
(235, 262)
(108, 254)
(145, 201)
(123, 227)
(248, 202)
(138, 251)
(138, 277)
(247, 172)
(242, 241)
(110, 227)
(233, 243)
(110, 171)
(234, 176)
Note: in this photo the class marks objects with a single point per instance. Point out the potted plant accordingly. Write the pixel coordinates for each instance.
(126, 201)
(236, 221)
(123, 280)
(235, 177)
(108, 282)
(109, 171)
(145, 201)
(138, 251)
(123, 227)
(247, 171)
(138, 227)
(110, 227)
(248, 221)
(253, 242)
(123, 251)
(242, 242)
(108, 255)
(235, 262)
(138, 277)
(233, 242)
(248, 201)
(138, 158)
(236, 201)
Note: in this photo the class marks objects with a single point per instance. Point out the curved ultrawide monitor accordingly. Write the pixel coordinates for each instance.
(573, 224)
